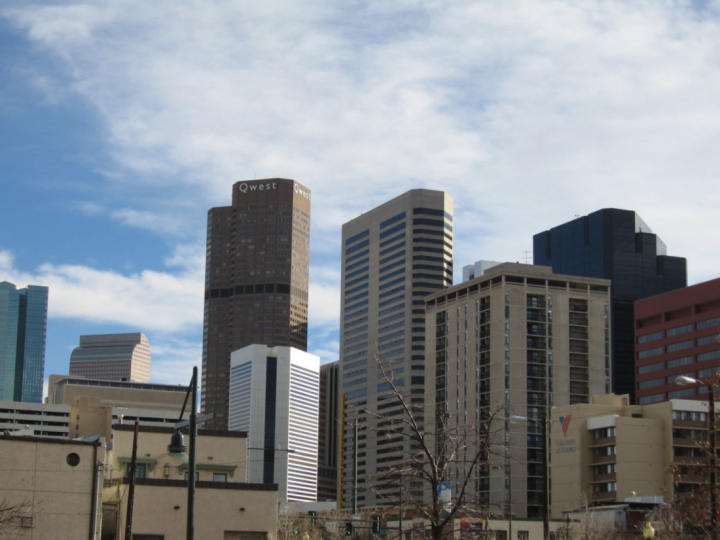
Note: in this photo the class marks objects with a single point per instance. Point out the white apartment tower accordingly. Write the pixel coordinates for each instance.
(112, 357)
(392, 257)
(274, 396)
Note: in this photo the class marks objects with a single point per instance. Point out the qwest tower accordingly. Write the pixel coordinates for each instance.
(393, 257)
(256, 279)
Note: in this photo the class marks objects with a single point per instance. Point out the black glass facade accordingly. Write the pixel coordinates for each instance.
(617, 245)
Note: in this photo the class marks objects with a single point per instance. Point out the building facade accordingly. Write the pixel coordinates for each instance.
(619, 246)
(609, 452)
(56, 486)
(23, 324)
(113, 357)
(393, 256)
(328, 429)
(274, 393)
(256, 279)
(677, 333)
(501, 350)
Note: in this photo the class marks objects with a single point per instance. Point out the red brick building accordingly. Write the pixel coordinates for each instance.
(676, 333)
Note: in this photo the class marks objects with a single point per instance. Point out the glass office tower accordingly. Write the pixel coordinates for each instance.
(23, 323)
(617, 245)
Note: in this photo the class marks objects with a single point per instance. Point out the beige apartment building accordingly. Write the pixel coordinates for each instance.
(608, 451)
(508, 345)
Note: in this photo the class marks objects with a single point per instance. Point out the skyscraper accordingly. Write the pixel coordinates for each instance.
(23, 323)
(256, 279)
(502, 349)
(328, 430)
(274, 398)
(113, 357)
(619, 246)
(392, 257)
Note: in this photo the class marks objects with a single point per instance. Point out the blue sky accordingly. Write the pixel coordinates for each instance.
(121, 123)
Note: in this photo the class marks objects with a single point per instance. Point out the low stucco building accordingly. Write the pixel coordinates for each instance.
(80, 488)
(608, 452)
(52, 487)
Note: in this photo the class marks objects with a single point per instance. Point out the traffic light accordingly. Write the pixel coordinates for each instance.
(348, 528)
(376, 524)
(296, 531)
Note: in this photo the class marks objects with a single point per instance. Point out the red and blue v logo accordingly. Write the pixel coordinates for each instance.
(565, 423)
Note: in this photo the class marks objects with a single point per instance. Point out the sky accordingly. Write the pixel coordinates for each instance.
(122, 122)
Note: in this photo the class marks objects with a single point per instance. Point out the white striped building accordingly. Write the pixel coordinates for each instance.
(274, 397)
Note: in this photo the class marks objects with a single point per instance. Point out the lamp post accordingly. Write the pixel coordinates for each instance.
(711, 382)
(177, 446)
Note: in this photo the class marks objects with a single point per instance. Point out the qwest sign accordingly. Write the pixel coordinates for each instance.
(245, 187)
(262, 186)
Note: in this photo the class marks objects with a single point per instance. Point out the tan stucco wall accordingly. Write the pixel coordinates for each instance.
(58, 495)
(216, 511)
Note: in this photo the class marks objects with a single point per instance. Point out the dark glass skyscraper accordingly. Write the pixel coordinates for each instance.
(617, 245)
(256, 279)
(23, 323)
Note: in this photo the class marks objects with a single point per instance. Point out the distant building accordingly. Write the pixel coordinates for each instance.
(609, 452)
(23, 324)
(677, 333)
(112, 357)
(65, 389)
(507, 346)
(256, 279)
(109, 401)
(616, 245)
(477, 269)
(393, 256)
(328, 430)
(274, 393)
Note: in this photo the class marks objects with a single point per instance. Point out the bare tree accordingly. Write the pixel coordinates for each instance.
(11, 514)
(444, 452)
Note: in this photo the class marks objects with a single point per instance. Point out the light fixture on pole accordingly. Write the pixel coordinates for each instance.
(711, 382)
(177, 446)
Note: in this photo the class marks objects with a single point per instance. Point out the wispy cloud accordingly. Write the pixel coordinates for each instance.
(526, 112)
(152, 300)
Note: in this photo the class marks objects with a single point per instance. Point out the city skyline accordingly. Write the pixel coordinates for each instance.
(542, 113)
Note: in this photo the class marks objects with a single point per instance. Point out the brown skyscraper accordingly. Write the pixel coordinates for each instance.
(256, 279)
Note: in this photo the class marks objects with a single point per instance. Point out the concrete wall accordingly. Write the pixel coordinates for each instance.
(53, 482)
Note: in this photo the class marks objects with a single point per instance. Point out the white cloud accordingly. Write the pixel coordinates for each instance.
(149, 299)
(526, 112)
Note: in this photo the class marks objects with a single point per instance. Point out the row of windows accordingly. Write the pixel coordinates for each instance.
(679, 330)
(392, 230)
(433, 212)
(349, 267)
(358, 236)
(392, 220)
(363, 254)
(391, 274)
(356, 247)
(392, 240)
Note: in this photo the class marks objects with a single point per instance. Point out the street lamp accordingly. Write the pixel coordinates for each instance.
(177, 446)
(711, 382)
